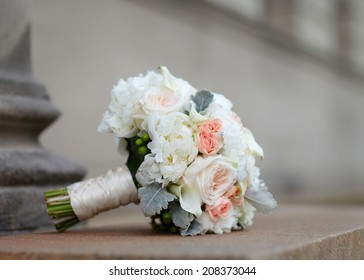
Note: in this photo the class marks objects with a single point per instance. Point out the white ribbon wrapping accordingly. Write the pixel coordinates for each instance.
(93, 196)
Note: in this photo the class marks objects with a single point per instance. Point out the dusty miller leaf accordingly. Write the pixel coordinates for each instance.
(180, 217)
(154, 198)
(261, 199)
(202, 99)
(194, 229)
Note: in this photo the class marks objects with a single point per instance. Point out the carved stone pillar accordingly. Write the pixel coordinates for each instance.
(26, 168)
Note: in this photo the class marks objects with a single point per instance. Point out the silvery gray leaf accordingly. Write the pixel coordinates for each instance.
(180, 217)
(202, 99)
(154, 198)
(194, 229)
(261, 199)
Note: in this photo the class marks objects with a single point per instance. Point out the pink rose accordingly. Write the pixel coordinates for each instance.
(212, 125)
(221, 208)
(235, 195)
(209, 139)
(208, 143)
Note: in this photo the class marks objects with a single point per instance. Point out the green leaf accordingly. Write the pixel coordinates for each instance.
(180, 217)
(194, 229)
(154, 198)
(202, 99)
(134, 158)
(261, 199)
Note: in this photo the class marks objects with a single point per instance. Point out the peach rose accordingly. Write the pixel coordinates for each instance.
(235, 195)
(211, 176)
(208, 143)
(209, 139)
(212, 125)
(221, 208)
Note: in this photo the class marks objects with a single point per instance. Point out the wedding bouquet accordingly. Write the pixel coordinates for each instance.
(191, 163)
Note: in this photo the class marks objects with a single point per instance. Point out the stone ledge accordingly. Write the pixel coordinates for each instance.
(292, 232)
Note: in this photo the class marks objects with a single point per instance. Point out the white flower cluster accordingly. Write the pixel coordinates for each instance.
(198, 151)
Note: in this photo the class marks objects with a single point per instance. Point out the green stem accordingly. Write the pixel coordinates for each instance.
(59, 202)
(61, 215)
(60, 209)
(62, 226)
(59, 192)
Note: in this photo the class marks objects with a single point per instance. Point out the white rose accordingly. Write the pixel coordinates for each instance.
(169, 94)
(212, 176)
(163, 100)
(172, 143)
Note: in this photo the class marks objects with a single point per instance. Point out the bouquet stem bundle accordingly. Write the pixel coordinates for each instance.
(83, 200)
(60, 209)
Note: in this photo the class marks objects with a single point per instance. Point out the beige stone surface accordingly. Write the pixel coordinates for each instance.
(292, 232)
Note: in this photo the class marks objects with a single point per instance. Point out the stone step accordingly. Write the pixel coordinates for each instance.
(292, 232)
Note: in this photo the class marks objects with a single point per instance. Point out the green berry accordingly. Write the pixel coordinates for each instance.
(142, 150)
(138, 142)
(145, 137)
(173, 229)
(166, 217)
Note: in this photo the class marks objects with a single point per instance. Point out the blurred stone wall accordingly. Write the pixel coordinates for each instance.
(27, 170)
(307, 115)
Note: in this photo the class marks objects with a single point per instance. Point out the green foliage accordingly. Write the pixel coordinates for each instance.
(137, 152)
